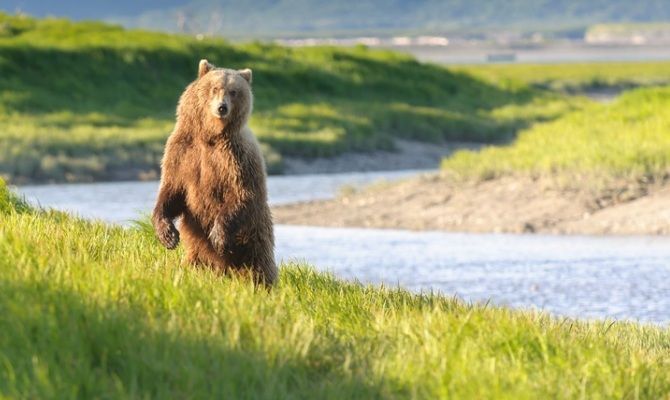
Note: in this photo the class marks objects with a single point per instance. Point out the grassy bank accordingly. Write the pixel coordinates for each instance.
(88, 310)
(89, 101)
(626, 139)
(575, 77)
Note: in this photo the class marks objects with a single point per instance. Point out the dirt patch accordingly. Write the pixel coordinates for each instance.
(510, 204)
(407, 155)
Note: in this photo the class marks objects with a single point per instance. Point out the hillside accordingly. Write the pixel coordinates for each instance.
(91, 9)
(626, 139)
(291, 17)
(318, 17)
(90, 101)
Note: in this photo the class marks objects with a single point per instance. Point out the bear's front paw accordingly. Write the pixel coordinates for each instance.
(217, 237)
(168, 234)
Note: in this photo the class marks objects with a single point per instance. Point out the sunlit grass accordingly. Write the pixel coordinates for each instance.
(66, 146)
(627, 139)
(576, 76)
(89, 310)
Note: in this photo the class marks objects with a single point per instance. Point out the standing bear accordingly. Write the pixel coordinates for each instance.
(213, 179)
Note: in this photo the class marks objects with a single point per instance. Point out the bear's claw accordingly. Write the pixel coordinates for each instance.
(168, 236)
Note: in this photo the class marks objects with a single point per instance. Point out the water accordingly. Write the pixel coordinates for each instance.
(586, 277)
(623, 278)
(123, 202)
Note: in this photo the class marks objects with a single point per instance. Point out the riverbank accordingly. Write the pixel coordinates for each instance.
(103, 311)
(511, 204)
(406, 155)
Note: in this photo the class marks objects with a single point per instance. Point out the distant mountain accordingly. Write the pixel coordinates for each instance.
(88, 9)
(246, 18)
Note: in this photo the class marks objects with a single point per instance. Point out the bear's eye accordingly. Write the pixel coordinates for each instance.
(233, 92)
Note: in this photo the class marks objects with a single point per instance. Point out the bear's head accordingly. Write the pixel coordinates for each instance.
(219, 97)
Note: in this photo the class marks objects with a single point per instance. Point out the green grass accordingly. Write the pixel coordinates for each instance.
(575, 77)
(85, 101)
(94, 311)
(629, 138)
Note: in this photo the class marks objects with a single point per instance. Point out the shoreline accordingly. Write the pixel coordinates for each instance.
(504, 205)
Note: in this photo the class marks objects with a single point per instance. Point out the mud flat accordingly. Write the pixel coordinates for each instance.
(508, 204)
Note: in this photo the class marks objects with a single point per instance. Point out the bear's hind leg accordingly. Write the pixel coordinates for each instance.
(258, 260)
(199, 250)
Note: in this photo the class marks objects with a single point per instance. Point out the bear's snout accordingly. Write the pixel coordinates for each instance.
(223, 109)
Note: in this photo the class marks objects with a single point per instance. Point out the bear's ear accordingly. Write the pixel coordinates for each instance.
(246, 74)
(204, 67)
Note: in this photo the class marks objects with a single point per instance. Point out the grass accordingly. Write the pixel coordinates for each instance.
(88, 101)
(90, 310)
(626, 139)
(575, 77)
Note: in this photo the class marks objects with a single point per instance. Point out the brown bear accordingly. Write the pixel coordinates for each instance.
(213, 179)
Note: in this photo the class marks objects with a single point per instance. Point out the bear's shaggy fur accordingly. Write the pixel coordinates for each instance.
(213, 177)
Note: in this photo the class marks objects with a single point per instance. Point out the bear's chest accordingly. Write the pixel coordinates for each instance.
(216, 182)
